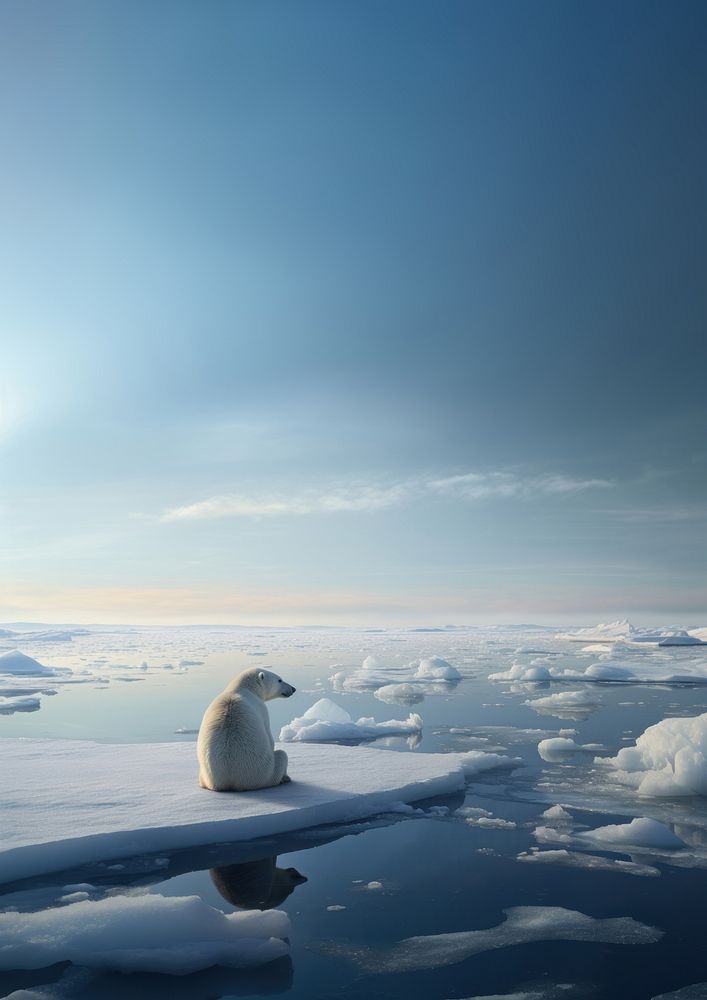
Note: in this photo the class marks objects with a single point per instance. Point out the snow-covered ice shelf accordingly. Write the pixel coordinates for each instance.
(67, 803)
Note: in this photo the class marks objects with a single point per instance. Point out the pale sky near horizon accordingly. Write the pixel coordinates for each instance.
(353, 312)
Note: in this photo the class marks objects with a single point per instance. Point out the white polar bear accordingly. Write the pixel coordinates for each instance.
(235, 748)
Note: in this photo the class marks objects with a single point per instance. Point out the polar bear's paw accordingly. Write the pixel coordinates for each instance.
(284, 779)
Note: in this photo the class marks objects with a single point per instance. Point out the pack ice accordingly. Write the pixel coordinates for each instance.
(68, 803)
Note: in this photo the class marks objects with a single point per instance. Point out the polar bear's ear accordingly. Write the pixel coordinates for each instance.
(261, 675)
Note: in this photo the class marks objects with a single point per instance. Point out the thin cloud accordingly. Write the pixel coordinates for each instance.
(368, 498)
(354, 498)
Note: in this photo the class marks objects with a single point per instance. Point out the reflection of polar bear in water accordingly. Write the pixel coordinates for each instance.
(256, 885)
(235, 747)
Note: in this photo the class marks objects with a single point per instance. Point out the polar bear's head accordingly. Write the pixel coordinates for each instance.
(263, 683)
(271, 686)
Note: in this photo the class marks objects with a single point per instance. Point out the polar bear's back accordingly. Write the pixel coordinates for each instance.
(235, 746)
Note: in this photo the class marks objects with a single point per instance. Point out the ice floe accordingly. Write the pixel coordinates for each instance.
(566, 704)
(400, 694)
(18, 703)
(594, 862)
(523, 925)
(327, 721)
(640, 832)
(68, 803)
(142, 933)
(668, 759)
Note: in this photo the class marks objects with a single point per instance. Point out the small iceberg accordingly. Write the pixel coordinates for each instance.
(327, 721)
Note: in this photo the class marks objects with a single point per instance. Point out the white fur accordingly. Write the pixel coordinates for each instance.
(235, 748)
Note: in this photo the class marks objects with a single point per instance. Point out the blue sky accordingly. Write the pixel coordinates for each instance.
(353, 312)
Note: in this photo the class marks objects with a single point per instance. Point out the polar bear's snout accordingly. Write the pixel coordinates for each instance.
(288, 694)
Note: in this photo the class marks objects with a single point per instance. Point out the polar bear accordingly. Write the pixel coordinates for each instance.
(235, 747)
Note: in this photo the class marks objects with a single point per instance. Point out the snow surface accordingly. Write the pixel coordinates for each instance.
(668, 759)
(68, 803)
(640, 832)
(523, 925)
(142, 933)
(326, 720)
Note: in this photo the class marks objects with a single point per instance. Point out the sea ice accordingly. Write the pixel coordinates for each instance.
(557, 814)
(19, 664)
(523, 925)
(18, 703)
(400, 694)
(326, 720)
(566, 704)
(669, 759)
(640, 832)
(434, 668)
(555, 749)
(595, 862)
(68, 803)
(142, 933)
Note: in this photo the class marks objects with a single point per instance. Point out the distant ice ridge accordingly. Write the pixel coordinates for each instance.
(147, 933)
(669, 759)
(623, 629)
(326, 720)
(432, 670)
(150, 799)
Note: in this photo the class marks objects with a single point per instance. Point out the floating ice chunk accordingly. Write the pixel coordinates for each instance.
(18, 703)
(400, 694)
(566, 704)
(326, 720)
(558, 814)
(477, 761)
(491, 822)
(640, 832)
(577, 859)
(523, 925)
(374, 885)
(523, 672)
(17, 663)
(169, 934)
(69, 803)
(607, 672)
(555, 749)
(434, 668)
(335, 908)
(669, 758)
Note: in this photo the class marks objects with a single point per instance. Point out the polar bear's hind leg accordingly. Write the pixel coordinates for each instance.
(280, 776)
